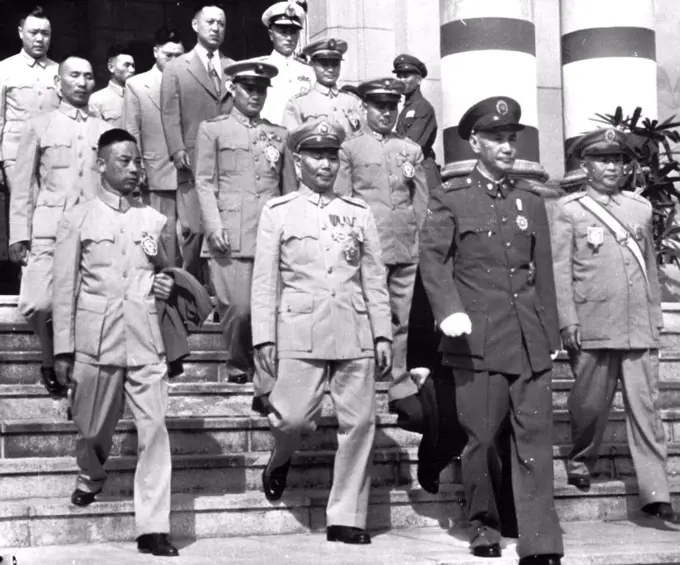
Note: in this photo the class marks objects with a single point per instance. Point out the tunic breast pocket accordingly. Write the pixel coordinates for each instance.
(522, 242)
(98, 244)
(474, 237)
(302, 244)
(140, 260)
(58, 154)
(234, 157)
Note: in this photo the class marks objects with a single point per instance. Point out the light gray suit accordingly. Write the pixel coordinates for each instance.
(189, 97)
(142, 118)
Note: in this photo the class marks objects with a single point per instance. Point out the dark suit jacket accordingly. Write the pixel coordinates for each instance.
(490, 257)
(188, 97)
(187, 308)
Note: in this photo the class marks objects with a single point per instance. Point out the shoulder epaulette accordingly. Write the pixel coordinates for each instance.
(571, 197)
(282, 199)
(299, 95)
(218, 118)
(525, 185)
(456, 183)
(636, 197)
(356, 201)
(301, 59)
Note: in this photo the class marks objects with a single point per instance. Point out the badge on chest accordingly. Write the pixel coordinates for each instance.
(595, 236)
(149, 245)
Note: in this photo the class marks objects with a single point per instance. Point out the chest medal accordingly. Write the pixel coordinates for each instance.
(149, 245)
(408, 170)
(522, 222)
(272, 154)
(595, 236)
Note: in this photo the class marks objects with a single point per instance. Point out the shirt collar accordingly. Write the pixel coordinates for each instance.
(73, 112)
(119, 90)
(316, 198)
(377, 135)
(492, 187)
(243, 119)
(603, 197)
(31, 62)
(118, 203)
(330, 91)
(202, 53)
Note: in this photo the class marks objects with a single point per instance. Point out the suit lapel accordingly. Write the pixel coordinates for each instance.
(200, 73)
(153, 89)
(224, 61)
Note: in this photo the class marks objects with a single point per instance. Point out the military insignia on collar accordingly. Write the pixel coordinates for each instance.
(502, 107)
(408, 170)
(522, 222)
(272, 154)
(149, 245)
(610, 135)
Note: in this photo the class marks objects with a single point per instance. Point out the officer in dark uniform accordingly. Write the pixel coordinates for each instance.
(487, 268)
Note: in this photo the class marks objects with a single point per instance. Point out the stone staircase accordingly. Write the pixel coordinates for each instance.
(220, 448)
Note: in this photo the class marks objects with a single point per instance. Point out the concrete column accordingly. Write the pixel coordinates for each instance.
(608, 60)
(488, 48)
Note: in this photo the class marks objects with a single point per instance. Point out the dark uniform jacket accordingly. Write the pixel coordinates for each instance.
(485, 251)
(418, 122)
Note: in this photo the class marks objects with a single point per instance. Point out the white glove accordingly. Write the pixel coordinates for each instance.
(554, 354)
(456, 325)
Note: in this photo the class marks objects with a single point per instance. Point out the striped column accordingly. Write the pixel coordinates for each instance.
(488, 48)
(608, 60)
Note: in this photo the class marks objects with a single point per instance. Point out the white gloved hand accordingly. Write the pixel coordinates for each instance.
(456, 325)
(554, 354)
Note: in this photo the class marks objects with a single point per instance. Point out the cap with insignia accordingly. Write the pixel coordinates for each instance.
(317, 134)
(382, 89)
(406, 63)
(491, 114)
(606, 141)
(252, 71)
(329, 48)
(284, 14)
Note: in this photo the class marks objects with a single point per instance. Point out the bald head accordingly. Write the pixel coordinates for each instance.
(75, 81)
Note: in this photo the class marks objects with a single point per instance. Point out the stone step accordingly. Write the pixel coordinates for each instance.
(242, 434)
(53, 521)
(211, 399)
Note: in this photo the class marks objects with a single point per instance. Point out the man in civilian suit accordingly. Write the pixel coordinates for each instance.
(142, 118)
(193, 90)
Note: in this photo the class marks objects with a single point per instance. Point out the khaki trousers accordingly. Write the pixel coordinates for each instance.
(401, 280)
(189, 214)
(232, 280)
(596, 372)
(296, 399)
(35, 295)
(98, 401)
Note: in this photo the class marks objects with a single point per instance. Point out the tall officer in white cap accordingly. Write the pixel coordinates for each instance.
(609, 308)
(385, 170)
(241, 162)
(284, 21)
(325, 100)
(321, 312)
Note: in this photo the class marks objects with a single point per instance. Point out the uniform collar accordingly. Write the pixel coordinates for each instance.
(243, 119)
(31, 62)
(316, 198)
(603, 198)
(119, 90)
(76, 114)
(377, 135)
(276, 55)
(415, 96)
(493, 188)
(331, 91)
(118, 203)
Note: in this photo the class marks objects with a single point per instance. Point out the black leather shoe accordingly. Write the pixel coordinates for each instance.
(274, 481)
(541, 560)
(493, 550)
(662, 510)
(579, 481)
(50, 382)
(156, 544)
(82, 498)
(238, 379)
(348, 534)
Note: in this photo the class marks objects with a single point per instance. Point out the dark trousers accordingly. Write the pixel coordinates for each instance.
(484, 402)
(189, 215)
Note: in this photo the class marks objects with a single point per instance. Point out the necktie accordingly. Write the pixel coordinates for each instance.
(213, 75)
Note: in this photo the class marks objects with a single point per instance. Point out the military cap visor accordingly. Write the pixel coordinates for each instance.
(329, 48)
(284, 14)
(251, 72)
(383, 89)
(498, 113)
(318, 134)
(600, 143)
(409, 64)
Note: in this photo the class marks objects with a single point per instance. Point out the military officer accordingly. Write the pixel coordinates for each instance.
(108, 340)
(385, 170)
(320, 307)
(487, 268)
(27, 84)
(107, 103)
(55, 169)
(610, 316)
(241, 162)
(284, 21)
(324, 100)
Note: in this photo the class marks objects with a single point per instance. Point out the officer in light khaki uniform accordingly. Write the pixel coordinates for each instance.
(284, 21)
(241, 162)
(324, 100)
(107, 103)
(55, 169)
(610, 316)
(107, 336)
(385, 170)
(27, 85)
(321, 310)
